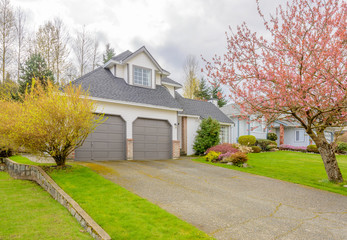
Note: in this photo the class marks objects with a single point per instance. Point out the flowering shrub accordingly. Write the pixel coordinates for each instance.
(222, 148)
(292, 148)
(226, 155)
(212, 156)
(242, 148)
(237, 158)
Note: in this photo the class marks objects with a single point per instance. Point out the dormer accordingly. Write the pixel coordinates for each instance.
(137, 68)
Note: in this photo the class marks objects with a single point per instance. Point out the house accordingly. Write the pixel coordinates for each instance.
(289, 133)
(146, 117)
(244, 125)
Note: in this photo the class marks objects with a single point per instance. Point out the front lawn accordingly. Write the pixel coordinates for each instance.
(29, 212)
(302, 168)
(122, 214)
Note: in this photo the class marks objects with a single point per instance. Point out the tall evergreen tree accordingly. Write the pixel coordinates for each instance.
(217, 93)
(34, 67)
(109, 53)
(203, 92)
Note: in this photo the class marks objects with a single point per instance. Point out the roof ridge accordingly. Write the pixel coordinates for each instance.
(87, 74)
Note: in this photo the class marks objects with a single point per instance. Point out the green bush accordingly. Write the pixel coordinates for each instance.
(271, 136)
(341, 147)
(312, 148)
(264, 143)
(207, 135)
(270, 147)
(212, 156)
(237, 158)
(247, 140)
(256, 149)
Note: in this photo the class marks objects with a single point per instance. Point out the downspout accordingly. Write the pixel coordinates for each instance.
(238, 129)
(249, 125)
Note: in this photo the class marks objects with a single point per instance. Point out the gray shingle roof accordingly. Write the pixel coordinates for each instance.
(169, 80)
(102, 84)
(202, 109)
(122, 56)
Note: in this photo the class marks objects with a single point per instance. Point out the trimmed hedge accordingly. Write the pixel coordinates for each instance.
(256, 149)
(271, 136)
(312, 148)
(264, 143)
(247, 140)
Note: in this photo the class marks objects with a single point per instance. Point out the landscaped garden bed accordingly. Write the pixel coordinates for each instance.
(302, 168)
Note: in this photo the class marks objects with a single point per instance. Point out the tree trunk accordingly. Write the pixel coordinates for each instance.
(329, 159)
(60, 160)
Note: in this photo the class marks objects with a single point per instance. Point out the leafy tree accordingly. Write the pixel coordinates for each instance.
(109, 53)
(49, 121)
(207, 135)
(217, 93)
(297, 72)
(191, 85)
(34, 67)
(203, 92)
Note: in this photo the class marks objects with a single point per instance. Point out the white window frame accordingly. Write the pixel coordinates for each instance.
(139, 72)
(256, 126)
(303, 136)
(224, 134)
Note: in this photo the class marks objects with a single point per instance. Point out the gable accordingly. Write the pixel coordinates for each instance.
(143, 60)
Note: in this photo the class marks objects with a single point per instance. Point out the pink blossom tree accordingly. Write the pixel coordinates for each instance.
(297, 72)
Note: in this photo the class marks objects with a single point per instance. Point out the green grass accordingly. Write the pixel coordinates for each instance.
(24, 160)
(122, 214)
(28, 212)
(302, 168)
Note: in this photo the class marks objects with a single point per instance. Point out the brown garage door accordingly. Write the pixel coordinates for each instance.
(107, 142)
(152, 139)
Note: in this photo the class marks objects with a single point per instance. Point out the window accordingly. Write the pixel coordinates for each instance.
(257, 125)
(142, 76)
(224, 134)
(299, 136)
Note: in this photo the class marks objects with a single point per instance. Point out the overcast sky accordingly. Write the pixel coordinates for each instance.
(170, 29)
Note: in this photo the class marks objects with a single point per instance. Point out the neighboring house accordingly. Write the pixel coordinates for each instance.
(147, 118)
(243, 125)
(291, 133)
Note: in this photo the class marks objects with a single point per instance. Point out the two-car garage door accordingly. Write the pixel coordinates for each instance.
(152, 140)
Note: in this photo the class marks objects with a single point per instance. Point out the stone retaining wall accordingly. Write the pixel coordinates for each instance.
(2, 167)
(35, 173)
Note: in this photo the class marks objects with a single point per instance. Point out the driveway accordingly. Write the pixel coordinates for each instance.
(228, 204)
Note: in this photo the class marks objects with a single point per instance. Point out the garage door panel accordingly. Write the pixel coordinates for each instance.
(83, 155)
(152, 139)
(107, 142)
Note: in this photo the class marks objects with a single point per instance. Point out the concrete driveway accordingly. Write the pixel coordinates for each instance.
(229, 204)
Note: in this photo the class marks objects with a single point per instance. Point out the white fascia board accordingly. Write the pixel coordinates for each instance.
(187, 115)
(171, 84)
(110, 63)
(229, 124)
(135, 104)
